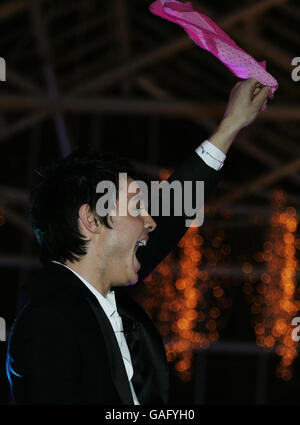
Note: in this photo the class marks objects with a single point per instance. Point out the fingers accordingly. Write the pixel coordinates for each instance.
(248, 97)
(256, 91)
(264, 106)
(258, 88)
(261, 97)
(253, 84)
(250, 85)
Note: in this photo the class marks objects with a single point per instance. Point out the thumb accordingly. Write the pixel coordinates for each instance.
(261, 96)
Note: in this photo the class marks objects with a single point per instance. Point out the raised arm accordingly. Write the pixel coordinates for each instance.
(246, 100)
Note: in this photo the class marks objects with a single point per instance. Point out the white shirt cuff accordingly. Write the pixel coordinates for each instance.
(211, 155)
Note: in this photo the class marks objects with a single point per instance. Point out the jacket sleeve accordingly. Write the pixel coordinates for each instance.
(39, 366)
(170, 229)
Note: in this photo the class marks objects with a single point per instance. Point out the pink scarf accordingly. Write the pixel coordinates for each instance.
(206, 34)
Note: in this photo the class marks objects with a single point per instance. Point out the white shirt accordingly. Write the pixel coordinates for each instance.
(211, 155)
(214, 158)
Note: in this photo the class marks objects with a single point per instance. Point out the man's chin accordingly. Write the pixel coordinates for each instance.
(132, 282)
(129, 282)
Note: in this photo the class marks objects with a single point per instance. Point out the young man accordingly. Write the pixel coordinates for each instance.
(79, 338)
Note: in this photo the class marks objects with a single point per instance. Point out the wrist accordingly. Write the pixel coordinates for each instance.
(224, 134)
(230, 126)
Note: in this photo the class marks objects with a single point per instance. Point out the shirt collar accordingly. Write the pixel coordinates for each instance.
(108, 303)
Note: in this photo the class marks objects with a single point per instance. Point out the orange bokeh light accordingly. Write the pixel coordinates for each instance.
(275, 303)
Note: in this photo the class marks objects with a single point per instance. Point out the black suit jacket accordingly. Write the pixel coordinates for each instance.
(62, 348)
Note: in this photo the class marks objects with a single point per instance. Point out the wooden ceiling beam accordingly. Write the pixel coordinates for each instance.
(265, 49)
(23, 124)
(255, 185)
(11, 8)
(181, 108)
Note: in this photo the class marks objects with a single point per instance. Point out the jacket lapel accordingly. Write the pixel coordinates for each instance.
(116, 364)
(151, 371)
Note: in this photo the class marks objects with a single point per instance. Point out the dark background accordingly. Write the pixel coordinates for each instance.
(112, 75)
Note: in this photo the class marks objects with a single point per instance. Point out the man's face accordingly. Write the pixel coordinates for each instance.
(118, 246)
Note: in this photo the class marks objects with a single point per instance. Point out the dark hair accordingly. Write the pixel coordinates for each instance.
(55, 202)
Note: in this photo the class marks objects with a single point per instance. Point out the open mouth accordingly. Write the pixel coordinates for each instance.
(142, 242)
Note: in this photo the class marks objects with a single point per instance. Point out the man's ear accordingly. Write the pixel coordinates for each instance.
(88, 219)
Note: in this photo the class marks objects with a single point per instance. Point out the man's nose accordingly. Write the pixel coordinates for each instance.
(150, 224)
